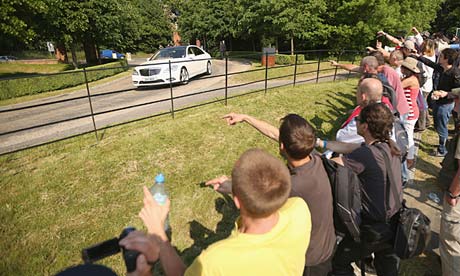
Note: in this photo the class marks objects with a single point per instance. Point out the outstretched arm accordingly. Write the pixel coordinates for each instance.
(154, 215)
(346, 66)
(263, 127)
(221, 184)
(339, 147)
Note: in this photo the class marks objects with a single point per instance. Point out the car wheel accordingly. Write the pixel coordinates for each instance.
(184, 77)
(209, 68)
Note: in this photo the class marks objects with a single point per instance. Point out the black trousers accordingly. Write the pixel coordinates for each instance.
(386, 262)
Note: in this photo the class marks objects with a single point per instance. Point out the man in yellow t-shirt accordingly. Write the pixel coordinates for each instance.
(270, 238)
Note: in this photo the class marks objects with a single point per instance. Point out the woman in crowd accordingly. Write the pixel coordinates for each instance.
(411, 88)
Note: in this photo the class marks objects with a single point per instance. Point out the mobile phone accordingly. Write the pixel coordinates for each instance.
(100, 250)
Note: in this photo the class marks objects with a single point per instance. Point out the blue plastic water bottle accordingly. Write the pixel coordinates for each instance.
(160, 194)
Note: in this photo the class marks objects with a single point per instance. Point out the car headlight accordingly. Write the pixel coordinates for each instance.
(135, 73)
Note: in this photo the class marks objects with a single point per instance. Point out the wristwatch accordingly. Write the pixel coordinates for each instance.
(452, 196)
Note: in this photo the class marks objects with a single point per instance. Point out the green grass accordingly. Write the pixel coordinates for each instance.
(62, 197)
(13, 69)
(304, 71)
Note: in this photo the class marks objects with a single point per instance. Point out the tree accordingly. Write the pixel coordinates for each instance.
(18, 21)
(154, 26)
(298, 19)
(355, 23)
(448, 17)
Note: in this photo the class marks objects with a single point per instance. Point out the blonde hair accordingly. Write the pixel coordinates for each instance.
(261, 182)
(429, 47)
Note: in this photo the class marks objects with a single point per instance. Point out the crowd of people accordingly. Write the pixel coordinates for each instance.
(286, 223)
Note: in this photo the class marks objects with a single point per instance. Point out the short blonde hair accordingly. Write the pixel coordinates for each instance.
(261, 182)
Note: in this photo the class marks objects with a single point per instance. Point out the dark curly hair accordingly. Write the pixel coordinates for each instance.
(379, 121)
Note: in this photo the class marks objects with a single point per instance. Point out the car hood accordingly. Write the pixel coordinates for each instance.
(163, 62)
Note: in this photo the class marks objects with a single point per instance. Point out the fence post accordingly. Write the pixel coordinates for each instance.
(319, 64)
(90, 104)
(295, 69)
(266, 71)
(336, 68)
(226, 78)
(171, 89)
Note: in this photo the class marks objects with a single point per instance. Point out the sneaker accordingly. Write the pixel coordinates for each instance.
(436, 153)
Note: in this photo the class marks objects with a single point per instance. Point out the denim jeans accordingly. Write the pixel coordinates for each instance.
(404, 169)
(441, 115)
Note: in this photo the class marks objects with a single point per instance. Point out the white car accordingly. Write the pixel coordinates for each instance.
(186, 62)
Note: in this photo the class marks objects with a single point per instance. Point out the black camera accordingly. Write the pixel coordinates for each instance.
(110, 247)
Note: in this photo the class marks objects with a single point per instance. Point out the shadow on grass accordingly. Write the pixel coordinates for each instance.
(203, 237)
(336, 116)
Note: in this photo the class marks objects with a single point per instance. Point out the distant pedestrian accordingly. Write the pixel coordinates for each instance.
(222, 49)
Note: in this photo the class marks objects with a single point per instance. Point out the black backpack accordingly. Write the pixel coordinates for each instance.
(413, 232)
(346, 195)
(402, 139)
(390, 93)
(422, 76)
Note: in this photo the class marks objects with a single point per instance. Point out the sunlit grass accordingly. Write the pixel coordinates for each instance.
(59, 198)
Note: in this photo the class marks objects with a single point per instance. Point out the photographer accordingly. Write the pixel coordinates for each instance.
(270, 238)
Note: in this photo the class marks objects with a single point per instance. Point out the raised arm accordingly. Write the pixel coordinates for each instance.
(154, 215)
(346, 66)
(418, 36)
(263, 127)
(391, 38)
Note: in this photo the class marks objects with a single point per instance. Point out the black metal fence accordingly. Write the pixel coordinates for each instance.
(11, 131)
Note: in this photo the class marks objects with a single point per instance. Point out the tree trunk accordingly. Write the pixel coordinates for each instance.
(98, 50)
(61, 52)
(292, 46)
(276, 45)
(90, 51)
(253, 44)
(74, 55)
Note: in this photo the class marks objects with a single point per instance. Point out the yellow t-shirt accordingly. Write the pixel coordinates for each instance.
(278, 252)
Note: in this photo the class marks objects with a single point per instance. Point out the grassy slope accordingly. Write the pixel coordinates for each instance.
(13, 68)
(60, 198)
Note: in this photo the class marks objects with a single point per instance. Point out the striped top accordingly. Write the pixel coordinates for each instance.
(411, 94)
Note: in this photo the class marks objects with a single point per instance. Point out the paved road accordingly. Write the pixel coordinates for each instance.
(42, 115)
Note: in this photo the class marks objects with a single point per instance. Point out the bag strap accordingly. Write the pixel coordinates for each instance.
(390, 182)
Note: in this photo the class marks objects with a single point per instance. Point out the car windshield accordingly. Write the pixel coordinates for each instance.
(167, 53)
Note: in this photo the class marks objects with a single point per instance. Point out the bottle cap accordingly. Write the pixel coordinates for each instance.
(160, 178)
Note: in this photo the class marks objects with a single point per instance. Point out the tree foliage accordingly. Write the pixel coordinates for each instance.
(448, 17)
(143, 25)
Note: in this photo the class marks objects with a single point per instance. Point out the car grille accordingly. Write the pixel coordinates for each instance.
(149, 72)
(155, 81)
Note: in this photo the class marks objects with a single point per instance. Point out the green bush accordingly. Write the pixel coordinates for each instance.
(288, 59)
(245, 54)
(49, 82)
